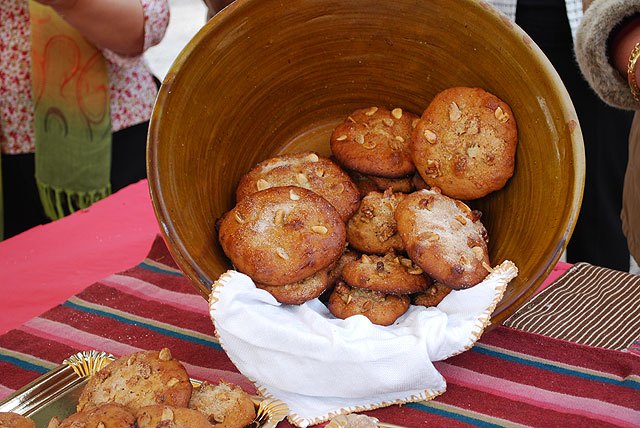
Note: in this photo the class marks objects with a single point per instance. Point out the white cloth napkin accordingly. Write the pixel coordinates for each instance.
(322, 366)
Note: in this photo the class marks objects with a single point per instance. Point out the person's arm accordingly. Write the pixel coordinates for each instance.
(605, 38)
(117, 25)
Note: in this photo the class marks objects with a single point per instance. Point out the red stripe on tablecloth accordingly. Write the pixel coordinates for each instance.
(43, 348)
(14, 378)
(160, 253)
(148, 291)
(545, 399)
(84, 340)
(410, 417)
(485, 403)
(167, 281)
(139, 337)
(541, 378)
(112, 298)
(605, 360)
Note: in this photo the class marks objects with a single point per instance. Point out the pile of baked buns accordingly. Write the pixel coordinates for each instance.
(151, 389)
(384, 222)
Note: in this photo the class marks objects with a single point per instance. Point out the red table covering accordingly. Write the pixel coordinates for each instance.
(510, 378)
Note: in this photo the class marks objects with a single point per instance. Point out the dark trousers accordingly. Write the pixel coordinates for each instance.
(22, 207)
(598, 237)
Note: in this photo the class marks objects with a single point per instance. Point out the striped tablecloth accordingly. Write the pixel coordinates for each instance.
(510, 378)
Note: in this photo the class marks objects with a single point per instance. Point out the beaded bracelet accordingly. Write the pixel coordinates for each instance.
(631, 72)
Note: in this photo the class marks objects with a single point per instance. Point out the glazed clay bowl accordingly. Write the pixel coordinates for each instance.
(266, 77)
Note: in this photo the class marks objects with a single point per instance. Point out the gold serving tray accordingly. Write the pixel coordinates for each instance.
(56, 393)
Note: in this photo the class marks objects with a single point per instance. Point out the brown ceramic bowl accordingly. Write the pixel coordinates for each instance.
(266, 77)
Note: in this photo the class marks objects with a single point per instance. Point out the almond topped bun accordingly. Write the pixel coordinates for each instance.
(282, 235)
(225, 405)
(444, 237)
(465, 143)
(14, 420)
(137, 380)
(375, 141)
(308, 170)
(160, 416)
(107, 415)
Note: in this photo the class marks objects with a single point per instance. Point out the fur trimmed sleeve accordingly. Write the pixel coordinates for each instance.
(591, 50)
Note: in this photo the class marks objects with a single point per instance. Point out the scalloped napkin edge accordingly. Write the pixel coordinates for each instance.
(299, 354)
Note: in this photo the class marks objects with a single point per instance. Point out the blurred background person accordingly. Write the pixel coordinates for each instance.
(598, 238)
(608, 52)
(53, 55)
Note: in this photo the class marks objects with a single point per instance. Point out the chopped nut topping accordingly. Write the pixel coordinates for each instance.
(302, 179)
(454, 111)
(346, 299)
(426, 203)
(167, 414)
(399, 138)
(414, 122)
(367, 305)
(359, 138)
(319, 229)
(341, 137)
(238, 217)
(282, 253)
(165, 354)
(430, 236)
(101, 425)
(173, 381)
(314, 157)
(415, 271)
(433, 168)
(461, 219)
(293, 195)
(463, 207)
(396, 112)
(366, 259)
(487, 267)
(478, 252)
(474, 151)
(278, 219)
(320, 173)
(338, 188)
(387, 121)
(501, 115)
(369, 145)
(368, 212)
(430, 136)
(350, 119)
(408, 263)
(262, 184)
(473, 127)
(371, 111)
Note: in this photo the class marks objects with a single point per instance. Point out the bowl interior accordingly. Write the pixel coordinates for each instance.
(265, 77)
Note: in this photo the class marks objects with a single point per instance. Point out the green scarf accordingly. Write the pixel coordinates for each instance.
(71, 115)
